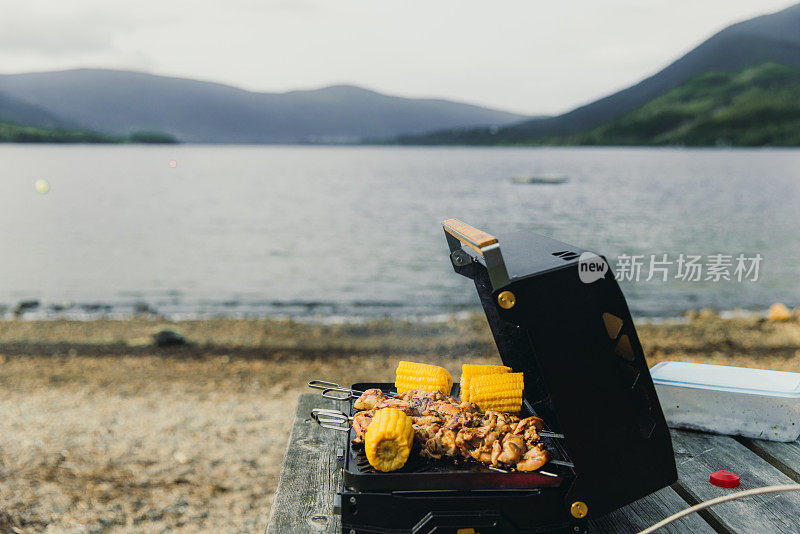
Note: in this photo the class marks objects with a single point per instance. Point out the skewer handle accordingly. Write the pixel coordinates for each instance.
(339, 394)
(331, 419)
(333, 391)
(322, 384)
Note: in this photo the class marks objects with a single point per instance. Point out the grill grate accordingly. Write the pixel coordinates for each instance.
(418, 464)
(424, 473)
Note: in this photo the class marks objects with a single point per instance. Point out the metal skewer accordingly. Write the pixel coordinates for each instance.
(333, 391)
(327, 417)
(340, 421)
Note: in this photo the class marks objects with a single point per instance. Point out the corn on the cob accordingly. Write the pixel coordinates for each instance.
(388, 440)
(469, 371)
(498, 392)
(412, 375)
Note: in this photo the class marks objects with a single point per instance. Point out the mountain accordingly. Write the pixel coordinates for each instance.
(764, 39)
(756, 106)
(16, 111)
(121, 102)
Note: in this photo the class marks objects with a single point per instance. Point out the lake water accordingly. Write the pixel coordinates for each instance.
(355, 231)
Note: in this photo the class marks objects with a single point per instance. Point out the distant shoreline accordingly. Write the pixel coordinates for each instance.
(21, 134)
(301, 312)
(701, 336)
(404, 145)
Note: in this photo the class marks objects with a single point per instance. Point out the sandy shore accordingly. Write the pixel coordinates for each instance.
(102, 432)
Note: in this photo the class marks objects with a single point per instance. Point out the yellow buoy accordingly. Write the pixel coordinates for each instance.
(42, 186)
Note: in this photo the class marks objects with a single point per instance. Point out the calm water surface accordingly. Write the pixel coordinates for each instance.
(354, 232)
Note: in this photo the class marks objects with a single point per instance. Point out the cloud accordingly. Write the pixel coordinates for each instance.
(59, 34)
(67, 29)
(536, 57)
(47, 35)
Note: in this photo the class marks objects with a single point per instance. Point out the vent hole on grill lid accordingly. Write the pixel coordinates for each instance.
(624, 348)
(565, 255)
(613, 324)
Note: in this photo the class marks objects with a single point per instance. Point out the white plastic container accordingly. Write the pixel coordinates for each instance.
(755, 403)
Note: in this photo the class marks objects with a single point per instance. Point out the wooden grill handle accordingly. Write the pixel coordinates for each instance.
(470, 236)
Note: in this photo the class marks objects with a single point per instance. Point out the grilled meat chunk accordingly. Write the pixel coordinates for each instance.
(533, 459)
(361, 421)
(440, 445)
(427, 426)
(512, 448)
(529, 428)
(369, 399)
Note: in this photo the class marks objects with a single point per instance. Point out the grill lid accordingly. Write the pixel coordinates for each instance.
(569, 330)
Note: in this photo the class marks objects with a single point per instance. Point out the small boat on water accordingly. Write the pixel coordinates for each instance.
(539, 179)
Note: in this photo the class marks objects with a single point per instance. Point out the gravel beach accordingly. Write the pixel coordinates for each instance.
(102, 431)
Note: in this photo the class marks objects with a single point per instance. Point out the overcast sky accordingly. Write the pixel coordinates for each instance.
(521, 55)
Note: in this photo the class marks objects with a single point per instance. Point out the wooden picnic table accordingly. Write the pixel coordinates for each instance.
(310, 478)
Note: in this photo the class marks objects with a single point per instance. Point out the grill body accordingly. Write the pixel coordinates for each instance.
(585, 375)
(535, 511)
(428, 496)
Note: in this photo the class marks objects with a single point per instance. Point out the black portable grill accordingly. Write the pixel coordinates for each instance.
(557, 315)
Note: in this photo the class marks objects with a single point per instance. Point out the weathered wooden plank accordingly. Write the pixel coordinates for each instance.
(309, 477)
(697, 455)
(784, 456)
(650, 510)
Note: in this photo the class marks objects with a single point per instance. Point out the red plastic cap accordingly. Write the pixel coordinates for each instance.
(724, 479)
